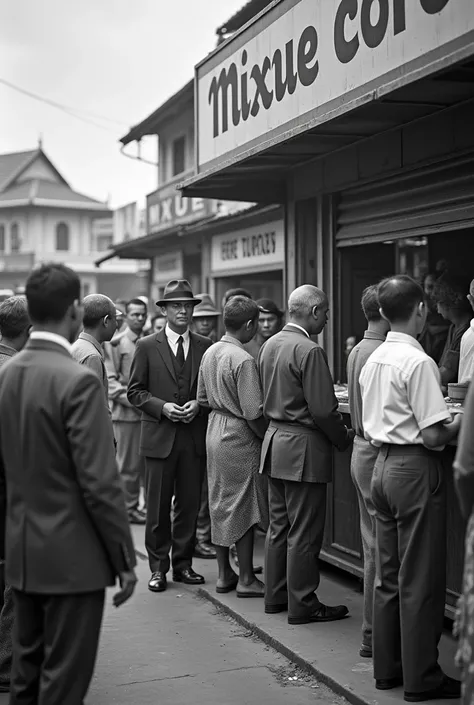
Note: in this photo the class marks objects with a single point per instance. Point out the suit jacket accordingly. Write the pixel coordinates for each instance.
(300, 404)
(153, 383)
(67, 529)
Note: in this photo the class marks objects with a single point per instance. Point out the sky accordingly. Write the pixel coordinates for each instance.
(117, 59)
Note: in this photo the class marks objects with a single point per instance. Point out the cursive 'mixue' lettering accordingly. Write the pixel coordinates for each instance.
(261, 84)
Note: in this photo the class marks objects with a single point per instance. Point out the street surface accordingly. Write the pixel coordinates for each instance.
(174, 648)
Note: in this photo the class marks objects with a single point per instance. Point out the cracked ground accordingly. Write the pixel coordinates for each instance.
(174, 648)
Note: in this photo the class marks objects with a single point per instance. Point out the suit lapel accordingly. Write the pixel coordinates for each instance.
(165, 352)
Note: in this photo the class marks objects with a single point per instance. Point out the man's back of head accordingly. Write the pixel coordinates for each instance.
(99, 317)
(308, 307)
(14, 322)
(53, 292)
(399, 298)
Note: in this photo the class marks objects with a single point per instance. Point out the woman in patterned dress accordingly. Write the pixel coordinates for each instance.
(229, 384)
(464, 481)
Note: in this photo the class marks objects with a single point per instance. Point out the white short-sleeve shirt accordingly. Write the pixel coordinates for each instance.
(466, 355)
(401, 392)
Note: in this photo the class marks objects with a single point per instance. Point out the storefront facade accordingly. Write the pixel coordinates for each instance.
(249, 254)
(364, 132)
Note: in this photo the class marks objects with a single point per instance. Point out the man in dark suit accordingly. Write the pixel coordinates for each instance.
(67, 534)
(297, 451)
(163, 387)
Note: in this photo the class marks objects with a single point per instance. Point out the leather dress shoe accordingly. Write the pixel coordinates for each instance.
(323, 613)
(188, 576)
(388, 683)
(365, 651)
(157, 582)
(448, 688)
(136, 517)
(203, 550)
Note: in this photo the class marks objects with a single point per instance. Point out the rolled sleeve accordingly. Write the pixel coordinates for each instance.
(425, 396)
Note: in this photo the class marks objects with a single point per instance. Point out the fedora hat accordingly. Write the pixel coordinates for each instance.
(178, 290)
(206, 308)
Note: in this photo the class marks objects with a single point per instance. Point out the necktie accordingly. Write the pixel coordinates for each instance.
(180, 352)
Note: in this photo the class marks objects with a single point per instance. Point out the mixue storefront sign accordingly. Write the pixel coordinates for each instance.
(259, 248)
(307, 61)
(166, 207)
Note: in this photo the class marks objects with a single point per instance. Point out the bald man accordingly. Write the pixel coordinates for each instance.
(100, 324)
(297, 452)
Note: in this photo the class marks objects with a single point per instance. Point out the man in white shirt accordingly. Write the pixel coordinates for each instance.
(405, 415)
(466, 356)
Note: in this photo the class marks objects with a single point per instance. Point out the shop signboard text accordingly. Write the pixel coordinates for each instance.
(309, 58)
(253, 248)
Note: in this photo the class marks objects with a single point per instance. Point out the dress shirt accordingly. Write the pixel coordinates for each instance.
(466, 359)
(355, 363)
(401, 393)
(173, 337)
(295, 325)
(52, 338)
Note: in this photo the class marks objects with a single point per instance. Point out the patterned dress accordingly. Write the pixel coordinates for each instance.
(229, 384)
(464, 480)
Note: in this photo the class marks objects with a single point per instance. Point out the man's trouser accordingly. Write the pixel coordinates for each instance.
(179, 476)
(364, 456)
(203, 525)
(6, 633)
(293, 543)
(131, 465)
(55, 640)
(409, 495)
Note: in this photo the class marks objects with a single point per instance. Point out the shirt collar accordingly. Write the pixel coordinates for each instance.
(131, 335)
(173, 337)
(51, 338)
(295, 325)
(229, 339)
(403, 338)
(7, 350)
(373, 335)
(90, 339)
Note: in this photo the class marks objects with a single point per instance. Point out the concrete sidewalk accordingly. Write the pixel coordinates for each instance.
(328, 651)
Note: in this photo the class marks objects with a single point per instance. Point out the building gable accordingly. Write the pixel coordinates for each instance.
(39, 168)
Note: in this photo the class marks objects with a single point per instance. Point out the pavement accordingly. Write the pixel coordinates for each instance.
(328, 652)
(191, 646)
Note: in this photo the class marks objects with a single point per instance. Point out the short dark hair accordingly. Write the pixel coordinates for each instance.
(398, 296)
(230, 293)
(50, 291)
(96, 307)
(452, 291)
(135, 302)
(370, 303)
(238, 311)
(156, 316)
(14, 319)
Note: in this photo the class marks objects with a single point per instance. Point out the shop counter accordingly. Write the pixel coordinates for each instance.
(342, 544)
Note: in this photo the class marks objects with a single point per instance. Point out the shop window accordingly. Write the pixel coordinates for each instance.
(179, 147)
(15, 242)
(2, 238)
(62, 237)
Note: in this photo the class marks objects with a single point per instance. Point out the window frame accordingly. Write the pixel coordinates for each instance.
(174, 170)
(66, 233)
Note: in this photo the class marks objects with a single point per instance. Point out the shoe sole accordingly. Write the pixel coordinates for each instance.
(275, 609)
(161, 589)
(226, 589)
(305, 620)
(250, 594)
(389, 687)
(431, 696)
(365, 653)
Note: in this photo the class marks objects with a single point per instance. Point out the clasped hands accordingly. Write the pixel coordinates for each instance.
(185, 413)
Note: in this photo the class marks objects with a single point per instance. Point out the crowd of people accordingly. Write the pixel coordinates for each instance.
(205, 439)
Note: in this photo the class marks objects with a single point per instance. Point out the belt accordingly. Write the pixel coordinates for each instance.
(412, 449)
(293, 428)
